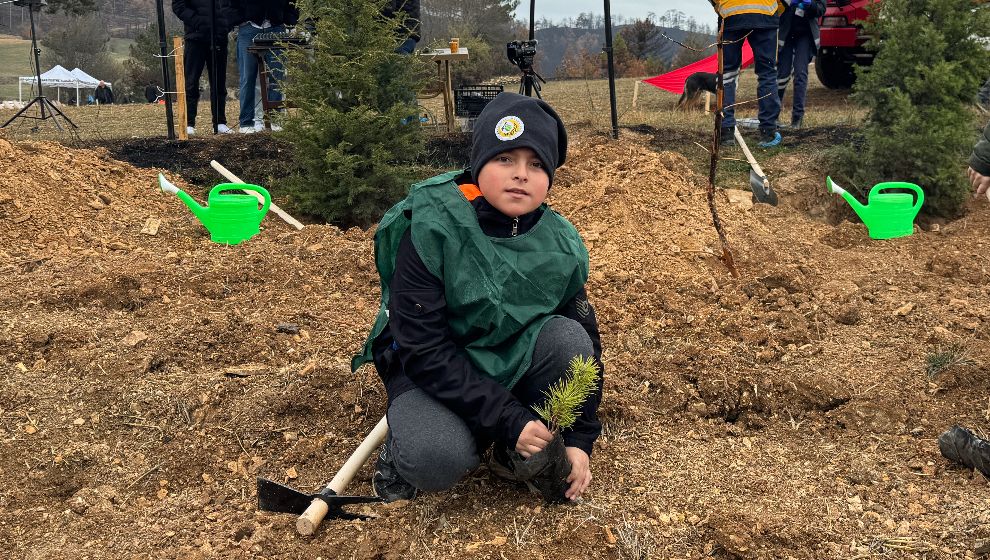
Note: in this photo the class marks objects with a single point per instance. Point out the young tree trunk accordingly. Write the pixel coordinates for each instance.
(713, 164)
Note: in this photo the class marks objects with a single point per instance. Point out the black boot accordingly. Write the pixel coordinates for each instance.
(962, 446)
(728, 136)
(387, 482)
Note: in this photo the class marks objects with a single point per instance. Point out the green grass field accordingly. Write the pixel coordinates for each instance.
(15, 60)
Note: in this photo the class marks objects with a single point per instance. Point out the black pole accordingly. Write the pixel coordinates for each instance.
(37, 59)
(611, 69)
(159, 7)
(532, 35)
(214, 100)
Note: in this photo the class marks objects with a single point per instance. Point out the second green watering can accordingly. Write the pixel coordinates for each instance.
(886, 215)
(230, 218)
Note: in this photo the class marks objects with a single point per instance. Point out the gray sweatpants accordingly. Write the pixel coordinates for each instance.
(433, 448)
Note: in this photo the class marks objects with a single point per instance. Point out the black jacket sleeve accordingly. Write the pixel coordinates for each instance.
(980, 160)
(432, 360)
(184, 12)
(587, 428)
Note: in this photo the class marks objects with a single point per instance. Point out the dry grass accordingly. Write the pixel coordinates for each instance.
(582, 103)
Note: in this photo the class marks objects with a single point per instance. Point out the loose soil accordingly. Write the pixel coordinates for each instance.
(782, 414)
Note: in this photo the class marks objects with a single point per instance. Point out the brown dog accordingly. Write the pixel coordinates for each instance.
(694, 85)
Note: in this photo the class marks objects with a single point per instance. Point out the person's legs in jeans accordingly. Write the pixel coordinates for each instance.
(430, 446)
(407, 46)
(247, 70)
(804, 51)
(195, 54)
(731, 61)
(785, 59)
(764, 43)
(275, 67)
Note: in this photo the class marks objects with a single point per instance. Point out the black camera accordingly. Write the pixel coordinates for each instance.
(521, 53)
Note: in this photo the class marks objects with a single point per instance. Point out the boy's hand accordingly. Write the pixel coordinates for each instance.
(980, 182)
(533, 438)
(580, 476)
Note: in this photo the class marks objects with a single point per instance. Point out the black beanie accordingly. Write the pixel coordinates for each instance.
(513, 121)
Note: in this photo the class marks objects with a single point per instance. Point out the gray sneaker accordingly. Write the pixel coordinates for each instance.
(797, 122)
(387, 482)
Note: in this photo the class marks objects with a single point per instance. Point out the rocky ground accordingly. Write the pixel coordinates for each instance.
(149, 375)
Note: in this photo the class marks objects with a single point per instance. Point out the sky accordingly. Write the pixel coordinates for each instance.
(556, 10)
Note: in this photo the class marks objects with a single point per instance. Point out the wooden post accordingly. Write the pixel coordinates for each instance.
(180, 87)
(635, 93)
(708, 102)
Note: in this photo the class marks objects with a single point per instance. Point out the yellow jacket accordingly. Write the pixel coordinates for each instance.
(728, 8)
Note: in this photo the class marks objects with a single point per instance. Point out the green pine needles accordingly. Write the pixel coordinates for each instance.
(564, 399)
(356, 134)
(920, 92)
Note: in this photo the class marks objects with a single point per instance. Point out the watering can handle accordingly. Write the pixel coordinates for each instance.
(919, 198)
(244, 187)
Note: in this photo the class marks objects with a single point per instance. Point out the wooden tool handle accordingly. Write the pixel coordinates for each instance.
(274, 207)
(749, 155)
(310, 520)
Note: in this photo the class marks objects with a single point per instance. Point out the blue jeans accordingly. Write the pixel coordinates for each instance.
(407, 46)
(797, 52)
(764, 44)
(247, 67)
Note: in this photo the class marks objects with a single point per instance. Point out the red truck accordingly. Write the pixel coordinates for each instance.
(842, 41)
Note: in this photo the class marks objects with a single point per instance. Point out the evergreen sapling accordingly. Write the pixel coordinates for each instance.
(565, 397)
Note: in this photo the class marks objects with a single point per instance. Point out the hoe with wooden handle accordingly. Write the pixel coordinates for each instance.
(313, 508)
(758, 182)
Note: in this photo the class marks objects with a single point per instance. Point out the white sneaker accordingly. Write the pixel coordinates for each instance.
(190, 130)
(259, 126)
(247, 130)
(223, 129)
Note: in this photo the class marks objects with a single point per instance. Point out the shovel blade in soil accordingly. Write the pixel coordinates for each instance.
(762, 192)
(280, 498)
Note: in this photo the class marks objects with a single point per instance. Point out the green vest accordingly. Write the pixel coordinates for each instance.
(499, 291)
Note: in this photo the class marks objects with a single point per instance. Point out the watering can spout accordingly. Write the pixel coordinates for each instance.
(859, 208)
(197, 210)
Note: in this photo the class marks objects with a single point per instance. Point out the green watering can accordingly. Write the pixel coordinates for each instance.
(230, 218)
(886, 215)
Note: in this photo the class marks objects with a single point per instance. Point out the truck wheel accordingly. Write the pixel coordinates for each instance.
(834, 72)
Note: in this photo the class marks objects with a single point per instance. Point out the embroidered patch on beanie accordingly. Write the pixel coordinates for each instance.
(509, 128)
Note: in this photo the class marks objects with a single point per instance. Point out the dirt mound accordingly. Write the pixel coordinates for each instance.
(150, 378)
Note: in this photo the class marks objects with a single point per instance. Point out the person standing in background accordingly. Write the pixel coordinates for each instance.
(254, 17)
(103, 95)
(200, 17)
(756, 21)
(408, 11)
(797, 44)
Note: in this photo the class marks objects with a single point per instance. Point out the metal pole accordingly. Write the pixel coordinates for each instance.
(528, 81)
(160, 8)
(214, 94)
(37, 59)
(611, 69)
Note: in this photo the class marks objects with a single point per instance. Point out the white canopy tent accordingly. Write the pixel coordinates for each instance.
(59, 77)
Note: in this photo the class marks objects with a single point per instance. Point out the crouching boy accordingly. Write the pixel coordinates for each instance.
(483, 308)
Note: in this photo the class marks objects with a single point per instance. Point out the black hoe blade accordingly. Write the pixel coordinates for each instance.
(276, 497)
(762, 192)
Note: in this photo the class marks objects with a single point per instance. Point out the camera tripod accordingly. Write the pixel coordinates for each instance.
(47, 109)
(529, 83)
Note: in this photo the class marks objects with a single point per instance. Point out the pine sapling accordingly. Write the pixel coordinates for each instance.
(565, 397)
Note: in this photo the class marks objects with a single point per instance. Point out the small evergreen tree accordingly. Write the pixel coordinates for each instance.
(356, 133)
(928, 66)
(565, 397)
